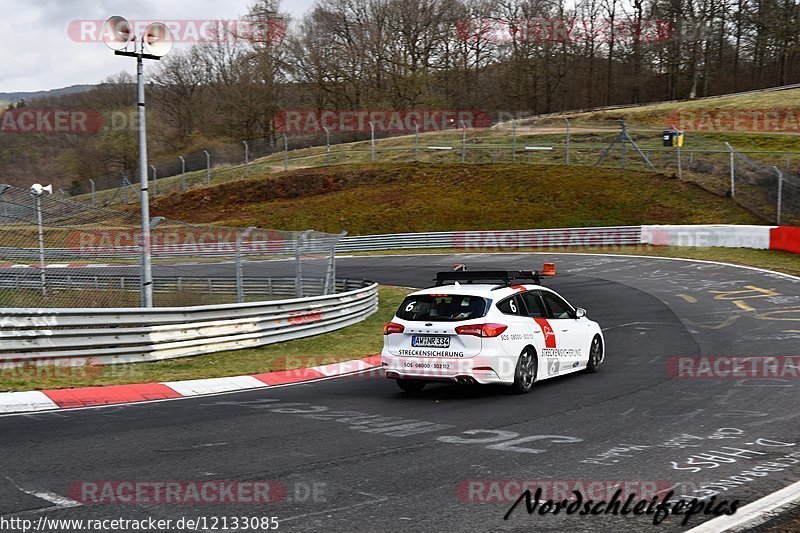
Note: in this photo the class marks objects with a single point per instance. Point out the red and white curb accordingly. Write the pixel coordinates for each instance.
(46, 400)
(69, 265)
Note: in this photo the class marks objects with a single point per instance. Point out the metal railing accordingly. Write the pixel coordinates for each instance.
(127, 335)
(527, 238)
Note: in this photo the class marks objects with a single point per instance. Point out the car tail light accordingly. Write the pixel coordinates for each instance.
(482, 330)
(392, 327)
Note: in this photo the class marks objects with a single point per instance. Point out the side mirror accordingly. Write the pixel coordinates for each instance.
(580, 312)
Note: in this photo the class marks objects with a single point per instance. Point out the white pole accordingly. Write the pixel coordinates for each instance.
(780, 195)
(733, 171)
(327, 143)
(246, 157)
(514, 148)
(41, 244)
(372, 137)
(147, 269)
(463, 142)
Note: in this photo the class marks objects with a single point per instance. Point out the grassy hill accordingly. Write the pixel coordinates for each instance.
(365, 199)
(662, 114)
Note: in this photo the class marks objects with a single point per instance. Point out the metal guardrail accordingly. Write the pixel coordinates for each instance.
(469, 240)
(126, 335)
(395, 241)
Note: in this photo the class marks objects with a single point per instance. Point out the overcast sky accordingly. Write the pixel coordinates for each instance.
(39, 52)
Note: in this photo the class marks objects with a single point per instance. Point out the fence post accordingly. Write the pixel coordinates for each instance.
(155, 177)
(327, 144)
(733, 170)
(416, 142)
(183, 173)
(780, 195)
(239, 274)
(680, 166)
(91, 182)
(246, 157)
(124, 187)
(514, 142)
(299, 243)
(372, 139)
(566, 154)
(285, 152)
(208, 167)
(463, 142)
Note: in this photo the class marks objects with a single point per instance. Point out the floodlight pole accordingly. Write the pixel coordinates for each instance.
(147, 268)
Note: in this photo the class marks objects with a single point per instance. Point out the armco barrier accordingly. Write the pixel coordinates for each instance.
(125, 335)
(500, 239)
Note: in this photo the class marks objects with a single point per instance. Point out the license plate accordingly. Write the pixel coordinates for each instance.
(430, 342)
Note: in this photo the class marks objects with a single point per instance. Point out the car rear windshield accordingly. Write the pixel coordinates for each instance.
(443, 308)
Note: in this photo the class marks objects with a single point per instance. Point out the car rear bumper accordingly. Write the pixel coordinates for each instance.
(481, 369)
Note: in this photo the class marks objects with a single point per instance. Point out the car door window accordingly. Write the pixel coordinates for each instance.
(534, 305)
(511, 306)
(557, 306)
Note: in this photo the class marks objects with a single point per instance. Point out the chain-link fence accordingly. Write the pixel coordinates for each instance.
(60, 253)
(763, 181)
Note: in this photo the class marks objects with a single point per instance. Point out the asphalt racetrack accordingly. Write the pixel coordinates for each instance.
(347, 466)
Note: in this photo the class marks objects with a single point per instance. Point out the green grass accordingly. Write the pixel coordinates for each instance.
(388, 198)
(353, 342)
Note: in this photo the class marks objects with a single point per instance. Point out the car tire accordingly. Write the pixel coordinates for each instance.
(595, 355)
(525, 371)
(410, 385)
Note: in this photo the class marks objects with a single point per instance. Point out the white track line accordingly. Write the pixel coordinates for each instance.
(754, 513)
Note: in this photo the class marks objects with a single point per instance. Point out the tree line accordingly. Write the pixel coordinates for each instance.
(514, 56)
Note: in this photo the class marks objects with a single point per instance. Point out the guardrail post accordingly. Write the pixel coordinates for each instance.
(733, 170)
